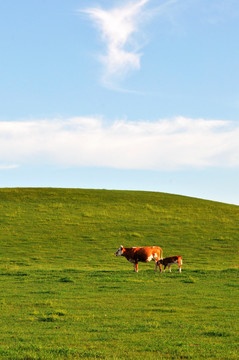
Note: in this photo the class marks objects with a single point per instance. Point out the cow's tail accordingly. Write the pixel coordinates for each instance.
(161, 253)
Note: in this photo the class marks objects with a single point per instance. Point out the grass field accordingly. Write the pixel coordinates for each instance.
(64, 295)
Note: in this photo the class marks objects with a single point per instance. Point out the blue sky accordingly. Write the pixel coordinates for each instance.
(138, 95)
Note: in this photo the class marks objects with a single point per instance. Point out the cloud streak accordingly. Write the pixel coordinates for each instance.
(118, 27)
(8, 167)
(166, 145)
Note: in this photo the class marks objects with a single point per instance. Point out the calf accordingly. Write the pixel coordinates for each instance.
(168, 261)
(141, 254)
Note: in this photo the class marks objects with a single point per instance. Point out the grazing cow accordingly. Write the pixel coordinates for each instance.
(141, 254)
(168, 261)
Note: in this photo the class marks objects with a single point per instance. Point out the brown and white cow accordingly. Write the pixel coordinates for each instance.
(141, 254)
(168, 261)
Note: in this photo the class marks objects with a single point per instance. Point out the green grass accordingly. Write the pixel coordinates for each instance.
(64, 295)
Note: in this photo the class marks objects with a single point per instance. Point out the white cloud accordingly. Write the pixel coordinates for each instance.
(8, 166)
(169, 144)
(117, 27)
(121, 31)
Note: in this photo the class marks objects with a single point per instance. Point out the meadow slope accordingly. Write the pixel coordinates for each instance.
(64, 295)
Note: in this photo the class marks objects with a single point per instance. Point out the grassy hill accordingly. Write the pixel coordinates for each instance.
(64, 295)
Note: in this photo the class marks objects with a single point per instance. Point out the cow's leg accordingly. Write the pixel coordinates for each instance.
(156, 266)
(136, 267)
(160, 266)
(164, 268)
(179, 266)
(169, 268)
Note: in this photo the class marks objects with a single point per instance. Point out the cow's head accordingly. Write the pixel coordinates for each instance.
(120, 251)
(160, 261)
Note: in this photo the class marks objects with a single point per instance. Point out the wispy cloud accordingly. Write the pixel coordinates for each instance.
(118, 27)
(121, 29)
(169, 144)
(8, 166)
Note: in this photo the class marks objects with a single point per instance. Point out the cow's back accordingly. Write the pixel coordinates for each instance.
(147, 253)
